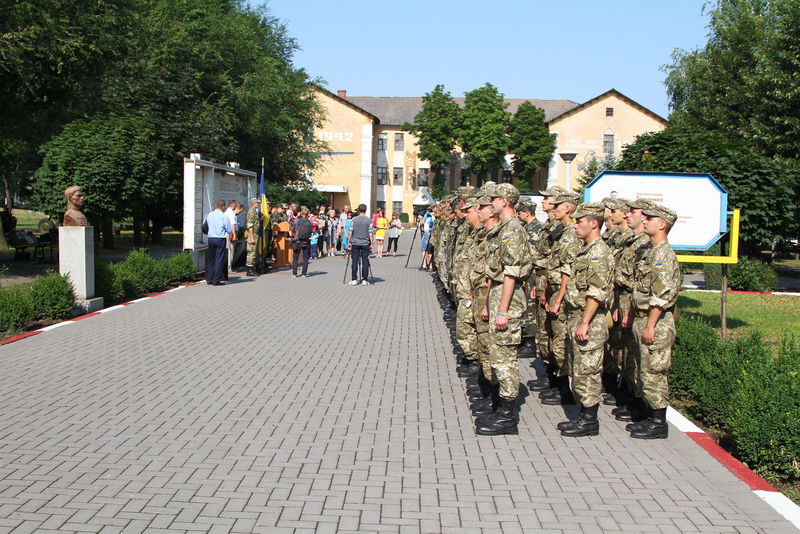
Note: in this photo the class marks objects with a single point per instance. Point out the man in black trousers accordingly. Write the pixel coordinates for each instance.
(361, 237)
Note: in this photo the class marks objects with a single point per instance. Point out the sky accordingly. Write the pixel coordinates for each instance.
(528, 49)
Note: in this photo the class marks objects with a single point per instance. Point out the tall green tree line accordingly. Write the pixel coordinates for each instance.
(162, 77)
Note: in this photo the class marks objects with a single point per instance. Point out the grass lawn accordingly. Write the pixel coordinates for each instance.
(774, 315)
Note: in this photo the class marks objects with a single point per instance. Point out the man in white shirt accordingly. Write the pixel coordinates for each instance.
(230, 213)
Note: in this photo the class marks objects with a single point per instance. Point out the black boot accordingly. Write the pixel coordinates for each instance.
(251, 272)
(486, 407)
(527, 349)
(635, 411)
(544, 383)
(643, 414)
(472, 368)
(503, 421)
(609, 388)
(586, 424)
(656, 426)
(561, 396)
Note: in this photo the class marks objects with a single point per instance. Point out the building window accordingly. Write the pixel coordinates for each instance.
(397, 207)
(381, 205)
(397, 176)
(609, 112)
(464, 177)
(398, 142)
(506, 177)
(382, 138)
(608, 143)
(382, 173)
(422, 178)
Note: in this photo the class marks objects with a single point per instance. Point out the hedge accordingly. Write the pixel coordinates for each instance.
(744, 388)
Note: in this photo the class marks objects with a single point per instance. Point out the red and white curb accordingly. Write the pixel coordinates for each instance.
(780, 502)
(86, 316)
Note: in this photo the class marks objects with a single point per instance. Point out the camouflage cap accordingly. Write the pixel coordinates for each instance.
(613, 203)
(659, 210)
(526, 204)
(254, 199)
(641, 204)
(469, 202)
(507, 191)
(466, 191)
(485, 200)
(553, 191)
(572, 198)
(589, 208)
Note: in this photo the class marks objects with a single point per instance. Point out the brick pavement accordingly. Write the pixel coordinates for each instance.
(167, 416)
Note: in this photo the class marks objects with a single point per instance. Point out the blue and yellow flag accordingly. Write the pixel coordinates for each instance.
(263, 227)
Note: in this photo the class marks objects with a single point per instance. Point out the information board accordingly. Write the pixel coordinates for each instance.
(701, 202)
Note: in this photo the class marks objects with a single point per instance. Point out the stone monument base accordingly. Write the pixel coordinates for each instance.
(84, 306)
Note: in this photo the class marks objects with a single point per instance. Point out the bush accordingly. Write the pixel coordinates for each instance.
(16, 309)
(694, 340)
(52, 296)
(765, 415)
(713, 276)
(403, 218)
(752, 275)
(143, 273)
(107, 284)
(179, 268)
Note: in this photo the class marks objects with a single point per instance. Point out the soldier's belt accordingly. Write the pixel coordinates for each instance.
(540, 272)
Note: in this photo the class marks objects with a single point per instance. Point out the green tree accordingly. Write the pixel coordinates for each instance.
(482, 132)
(593, 166)
(759, 185)
(530, 141)
(115, 163)
(435, 127)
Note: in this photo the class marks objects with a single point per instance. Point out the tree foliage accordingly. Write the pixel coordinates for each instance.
(759, 185)
(435, 127)
(482, 132)
(530, 141)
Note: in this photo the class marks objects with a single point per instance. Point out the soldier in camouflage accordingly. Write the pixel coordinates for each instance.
(633, 250)
(550, 231)
(589, 289)
(613, 358)
(479, 284)
(526, 213)
(253, 220)
(657, 280)
(565, 246)
(507, 268)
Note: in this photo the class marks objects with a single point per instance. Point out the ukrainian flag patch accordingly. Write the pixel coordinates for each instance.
(505, 238)
(658, 265)
(565, 240)
(595, 260)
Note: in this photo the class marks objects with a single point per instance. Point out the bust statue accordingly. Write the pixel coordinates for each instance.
(73, 215)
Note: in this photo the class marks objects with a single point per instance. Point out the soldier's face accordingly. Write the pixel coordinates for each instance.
(617, 216)
(583, 227)
(485, 212)
(634, 218)
(498, 203)
(561, 210)
(472, 216)
(653, 225)
(547, 204)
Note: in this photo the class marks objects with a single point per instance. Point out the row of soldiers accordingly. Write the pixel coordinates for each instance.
(596, 305)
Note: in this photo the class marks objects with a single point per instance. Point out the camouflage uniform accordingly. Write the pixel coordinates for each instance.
(466, 333)
(252, 229)
(532, 229)
(590, 277)
(613, 360)
(550, 232)
(657, 281)
(635, 246)
(476, 267)
(560, 261)
(509, 254)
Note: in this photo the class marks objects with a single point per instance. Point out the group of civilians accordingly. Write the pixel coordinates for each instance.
(322, 232)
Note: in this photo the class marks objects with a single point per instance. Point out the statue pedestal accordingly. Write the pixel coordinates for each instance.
(76, 258)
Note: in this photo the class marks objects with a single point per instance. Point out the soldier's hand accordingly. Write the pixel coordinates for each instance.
(501, 322)
(626, 321)
(543, 300)
(555, 307)
(615, 314)
(582, 332)
(648, 335)
(485, 313)
(533, 293)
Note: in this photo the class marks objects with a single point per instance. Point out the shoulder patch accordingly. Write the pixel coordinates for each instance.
(595, 260)
(505, 238)
(565, 240)
(658, 265)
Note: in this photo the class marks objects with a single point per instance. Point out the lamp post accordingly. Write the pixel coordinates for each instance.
(568, 157)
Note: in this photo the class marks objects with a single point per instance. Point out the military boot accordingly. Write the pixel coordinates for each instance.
(472, 368)
(635, 411)
(561, 396)
(486, 406)
(586, 424)
(610, 387)
(527, 349)
(654, 427)
(250, 272)
(503, 421)
(543, 383)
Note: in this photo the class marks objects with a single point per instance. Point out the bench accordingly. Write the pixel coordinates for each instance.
(21, 240)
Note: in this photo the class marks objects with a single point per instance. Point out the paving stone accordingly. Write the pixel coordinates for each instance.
(276, 404)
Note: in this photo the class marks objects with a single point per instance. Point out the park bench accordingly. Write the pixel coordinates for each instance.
(21, 240)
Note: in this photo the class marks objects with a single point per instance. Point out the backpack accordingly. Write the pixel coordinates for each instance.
(303, 229)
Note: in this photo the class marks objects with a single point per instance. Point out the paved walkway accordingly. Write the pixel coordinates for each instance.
(216, 409)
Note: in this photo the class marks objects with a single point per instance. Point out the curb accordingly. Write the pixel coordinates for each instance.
(693, 289)
(86, 316)
(763, 489)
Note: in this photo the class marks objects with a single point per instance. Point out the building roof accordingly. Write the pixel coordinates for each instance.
(601, 96)
(397, 110)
